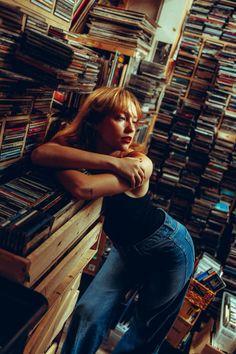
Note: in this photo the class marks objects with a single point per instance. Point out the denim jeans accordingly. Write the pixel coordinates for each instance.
(161, 265)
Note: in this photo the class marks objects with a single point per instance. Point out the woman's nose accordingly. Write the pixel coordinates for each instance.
(130, 126)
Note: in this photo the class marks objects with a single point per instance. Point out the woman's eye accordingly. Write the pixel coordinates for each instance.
(121, 117)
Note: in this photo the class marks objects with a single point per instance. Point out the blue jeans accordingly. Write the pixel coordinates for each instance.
(161, 265)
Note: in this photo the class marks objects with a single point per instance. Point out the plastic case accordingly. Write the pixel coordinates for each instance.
(225, 336)
(20, 310)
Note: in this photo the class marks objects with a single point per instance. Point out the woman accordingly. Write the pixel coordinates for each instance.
(151, 250)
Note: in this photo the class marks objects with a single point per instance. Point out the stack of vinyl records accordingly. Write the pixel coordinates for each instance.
(112, 24)
(32, 207)
(57, 64)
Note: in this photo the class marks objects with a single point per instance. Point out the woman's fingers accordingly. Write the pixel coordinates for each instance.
(131, 169)
(139, 176)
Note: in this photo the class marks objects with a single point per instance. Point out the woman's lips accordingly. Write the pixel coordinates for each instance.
(126, 139)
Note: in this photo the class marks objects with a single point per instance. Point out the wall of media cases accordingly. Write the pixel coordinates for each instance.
(194, 137)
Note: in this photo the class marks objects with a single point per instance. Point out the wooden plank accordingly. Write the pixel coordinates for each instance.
(14, 267)
(57, 244)
(52, 349)
(105, 45)
(44, 332)
(66, 311)
(70, 283)
(76, 259)
(63, 335)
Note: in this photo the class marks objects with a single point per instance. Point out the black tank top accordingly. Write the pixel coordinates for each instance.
(129, 220)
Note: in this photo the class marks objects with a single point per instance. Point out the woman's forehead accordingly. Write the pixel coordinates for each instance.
(129, 109)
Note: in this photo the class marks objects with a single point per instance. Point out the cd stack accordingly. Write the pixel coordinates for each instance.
(30, 210)
(147, 85)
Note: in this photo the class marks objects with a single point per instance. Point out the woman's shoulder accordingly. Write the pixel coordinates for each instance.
(143, 158)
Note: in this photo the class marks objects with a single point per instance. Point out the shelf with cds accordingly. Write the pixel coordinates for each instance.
(47, 237)
(33, 65)
(194, 138)
(39, 15)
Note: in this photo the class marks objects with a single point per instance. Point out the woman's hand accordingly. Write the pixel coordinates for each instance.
(130, 168)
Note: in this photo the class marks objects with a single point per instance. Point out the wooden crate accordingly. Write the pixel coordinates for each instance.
(28, 270)
(178, 331)
(61, 289)
(76, 259)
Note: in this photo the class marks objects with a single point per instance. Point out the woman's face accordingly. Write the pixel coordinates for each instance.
(116, 132)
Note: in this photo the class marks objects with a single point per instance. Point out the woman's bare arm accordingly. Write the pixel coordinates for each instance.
(83, 186)
(55, 155)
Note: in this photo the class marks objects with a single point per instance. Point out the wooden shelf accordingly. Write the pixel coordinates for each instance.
(205, 37)
(108, 46)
